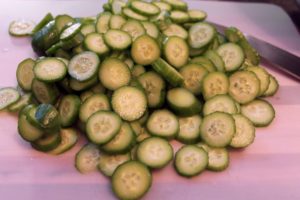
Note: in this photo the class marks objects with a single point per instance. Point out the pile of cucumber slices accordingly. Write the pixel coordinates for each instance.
(133, 79)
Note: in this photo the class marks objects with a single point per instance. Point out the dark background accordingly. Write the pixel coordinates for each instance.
(292, 7)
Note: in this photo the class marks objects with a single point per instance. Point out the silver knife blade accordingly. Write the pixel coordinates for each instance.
(283, 60)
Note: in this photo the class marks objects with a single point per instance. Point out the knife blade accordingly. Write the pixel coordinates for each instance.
(277, 57)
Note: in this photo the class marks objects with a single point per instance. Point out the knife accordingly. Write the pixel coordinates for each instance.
(277, 57)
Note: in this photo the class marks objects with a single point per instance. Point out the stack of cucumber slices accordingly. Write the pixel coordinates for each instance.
(131, 80)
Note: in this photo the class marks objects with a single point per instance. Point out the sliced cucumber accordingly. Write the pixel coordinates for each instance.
(163, 123)
(151, 29)
(177, 4)
(220, 103)
(134, 28)
(189, 129)
(87, 29)
(117, 39)
(69, 138)
(87, 159)
(47, 142)
(21, 27)
(217, 129)
(8, 96)
(217, 60)
(69, 109)
(95, 42)
(176, 51)
(263, 76)
(232, 55)
(133, 15)
(50, 70)
(175, 30)
(129, 102)
(163, 6)
(183, 102)
(144, 8)
(25, 74)
(205, 62)
(116, 22)
(260, 112)
(197, 15)
(61, 21)
(272, 88)
(82, 85)
(179, 16)
(102, 24)
(215, 83)
(200, 34)
(190, 160)
(137, 70)
(117, 6)
(109, 163)
(24, 100)
(44, 92)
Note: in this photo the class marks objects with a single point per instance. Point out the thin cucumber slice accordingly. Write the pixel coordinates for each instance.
(61, 21)
(189, 129)
(245, 132)
(200, 34)
(70, 31)
(131, 180)
(215, 83)
(122, 142)
(179, 16)
(272, 88)
(116, 22)
(176, 51)
(45, 20)
(205, 62)
(69, 138)
(220, 103)
(232, 55)
(263, 76)
(47, 142)
(8, 96)
(183, 102)
(134, 28)
(129, 103)
(50, 70)
(151, 29)
(190, 160)
(244, 86)
(145, 50)
(168, 72)
(137, 70)
(260, 112)
(87, 29)
(175, 30)
(196, 15)
(82, 85)
(163, 123)
(117, 39)
(102, 126)
(177, 4)
(133, 15)
(95, 42)
(102, 24)
(217, 60)
(144, 8)
(193, 75)
(217, 129)
(154, 86)
(129, 62)
(114, 73)
(92, 104)
(117, 6)
(163, 6)
(218, 158)
(155, 152)
(68, 109)
(21, 27)
(85, 95)
(144, 134)
(109, 163)
(25, 74)
(24, 100)
(84, 66)
(87, 159)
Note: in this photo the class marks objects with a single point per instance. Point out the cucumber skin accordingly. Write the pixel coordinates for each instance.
(47, 147)
(195, 108)
(77, 102)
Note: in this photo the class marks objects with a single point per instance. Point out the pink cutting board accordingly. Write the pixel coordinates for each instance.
(268, 169)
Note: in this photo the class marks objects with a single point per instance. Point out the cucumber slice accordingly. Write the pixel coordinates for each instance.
(116, 22)
(145, 50)
(144, 134)
(177, 4)
(117, 6)
(175, 30)
(114, 73)
(102, 24)
(232, 55)
(168, 72)
(137, 70)
(69, 138)
(154, 86)
(131, 180)
(205, 62)
(151, 29)
(8, 96)
(25, 74)
(50, 70)
(183, 102)
(179, 16)
(133, 15)
(163, 123)
(109, 163)
(85, 95)
(102, 126)
(95, 42)
(129, 102)
(122, 142)
(24, 100)
(155, 152)
(200, 34)
(193, 75)
(92, 104)
(82, 85)
(196, 15)
(44, 92)
(61, 21)
(84, 66)
(217, 129)
(87, 29)
(272, 88)
(176, 51)
(45, 20)
(163, 6)
(117, 39)
(189, 129)
(217, 60)
(144, 8)
(260, 112)
(244, 86)
(47, 142)
(68, 110)
(245, 132)
(215, 83)
(134, 29)
(263, 76)
(21, 27)
(220, 103)
(70, 32)
(87, 159)
(190, 160)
